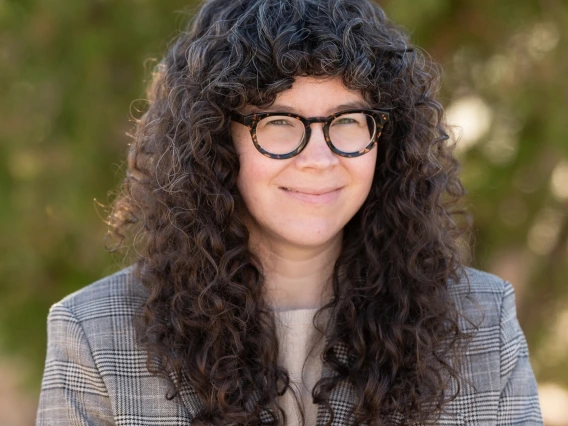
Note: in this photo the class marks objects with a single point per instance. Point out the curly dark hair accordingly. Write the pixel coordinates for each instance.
(206, 322)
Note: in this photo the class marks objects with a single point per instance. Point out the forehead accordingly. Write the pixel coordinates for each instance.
(315, 96)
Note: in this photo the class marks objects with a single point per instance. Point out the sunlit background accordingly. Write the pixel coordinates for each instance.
(73, 71)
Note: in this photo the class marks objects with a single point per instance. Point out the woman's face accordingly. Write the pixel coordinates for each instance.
(306, 200)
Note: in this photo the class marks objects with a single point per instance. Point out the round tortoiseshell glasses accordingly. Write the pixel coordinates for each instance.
(282, 135)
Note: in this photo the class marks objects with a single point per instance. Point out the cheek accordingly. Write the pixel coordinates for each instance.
(256, 173)
(246, 178)
(364, 171)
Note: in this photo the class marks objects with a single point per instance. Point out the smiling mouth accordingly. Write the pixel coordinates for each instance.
(310, 192)
(313, 197)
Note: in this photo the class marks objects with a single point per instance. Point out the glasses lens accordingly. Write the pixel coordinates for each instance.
(279, 134)
(352, 132)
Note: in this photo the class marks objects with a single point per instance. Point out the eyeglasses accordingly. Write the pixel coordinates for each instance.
(282, 135)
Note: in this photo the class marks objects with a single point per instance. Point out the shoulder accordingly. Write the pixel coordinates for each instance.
(498, 384)
(101, 316)
(119, 293)
(478, 282)
(98, 322)
(480, 296)
(93, 349)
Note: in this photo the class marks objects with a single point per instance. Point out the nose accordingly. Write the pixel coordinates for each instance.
(316, 154)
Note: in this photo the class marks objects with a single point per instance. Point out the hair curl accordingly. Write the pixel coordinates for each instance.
(206, 319)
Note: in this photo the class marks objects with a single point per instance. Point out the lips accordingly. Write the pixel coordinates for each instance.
(317, 196)
(309, 191)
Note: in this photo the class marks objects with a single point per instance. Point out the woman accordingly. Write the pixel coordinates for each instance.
(292, 200)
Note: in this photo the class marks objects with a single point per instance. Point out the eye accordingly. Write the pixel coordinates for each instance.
(344, 120)
(278, 122)
(353, 119)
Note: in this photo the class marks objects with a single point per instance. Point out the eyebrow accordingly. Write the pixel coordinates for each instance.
(342, 107)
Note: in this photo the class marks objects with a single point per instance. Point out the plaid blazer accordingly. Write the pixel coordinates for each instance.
(95, 373)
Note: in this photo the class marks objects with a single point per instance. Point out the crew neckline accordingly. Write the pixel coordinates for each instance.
(296, 317)
(295, 309)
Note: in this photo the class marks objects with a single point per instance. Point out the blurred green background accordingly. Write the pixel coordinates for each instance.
(72, 72)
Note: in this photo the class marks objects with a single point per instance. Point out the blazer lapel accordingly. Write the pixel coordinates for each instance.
(190, 401)
(341, 398)
(192, 404)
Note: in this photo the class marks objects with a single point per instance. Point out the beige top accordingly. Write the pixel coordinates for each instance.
(297, 336)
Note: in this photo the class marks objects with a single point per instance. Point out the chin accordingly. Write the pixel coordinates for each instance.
(310, 237)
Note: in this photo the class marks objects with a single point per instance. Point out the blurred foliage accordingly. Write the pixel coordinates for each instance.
(505, 67)
(72, 72)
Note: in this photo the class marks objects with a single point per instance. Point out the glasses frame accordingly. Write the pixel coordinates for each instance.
(252, 120)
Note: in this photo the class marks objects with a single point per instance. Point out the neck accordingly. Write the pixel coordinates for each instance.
(296, 277)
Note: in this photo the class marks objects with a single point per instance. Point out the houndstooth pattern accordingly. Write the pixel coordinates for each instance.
(95, 373)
